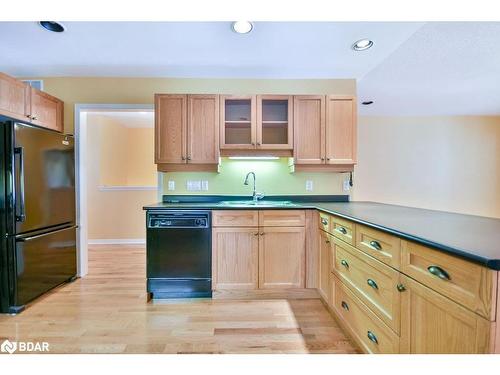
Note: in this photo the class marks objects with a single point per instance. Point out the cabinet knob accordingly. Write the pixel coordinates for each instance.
(34, 118)
(328, 159)
(258, 143)
(400, 288)
(253, 143)
(256, 234)
(322, 159)
(28, 116)
(344, 263)
(345, 306)
(189, 158)
(324, 221)
(183, 158)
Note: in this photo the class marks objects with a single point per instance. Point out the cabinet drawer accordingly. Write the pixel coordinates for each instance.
(324, 221)
(469, 284)
(379, 245)
(282, 218)
(342, 229)
(235, 218)
(369, 331)
(372, 281)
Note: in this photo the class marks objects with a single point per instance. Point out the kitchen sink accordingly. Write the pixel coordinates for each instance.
(265, 203)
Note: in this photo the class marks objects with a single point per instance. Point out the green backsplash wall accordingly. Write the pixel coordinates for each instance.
(273, 178)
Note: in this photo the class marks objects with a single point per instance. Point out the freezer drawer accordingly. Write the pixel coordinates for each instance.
(43, 261)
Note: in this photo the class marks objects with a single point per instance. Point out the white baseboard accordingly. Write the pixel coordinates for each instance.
(118, 241)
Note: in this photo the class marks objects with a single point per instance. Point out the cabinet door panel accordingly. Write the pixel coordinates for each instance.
(238, 129)
(46, 110)
(170, 128)
(13, 97)
(274, 122)
(433, 324)
(203, 129)
(309, 129)
(235, 253)
(325, 265)
(282, 257)
(340, 130)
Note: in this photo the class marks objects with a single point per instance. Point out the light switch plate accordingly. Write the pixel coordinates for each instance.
(204, 185)
(193, 185)
(346, 185)
(171, 185)
(309, 185)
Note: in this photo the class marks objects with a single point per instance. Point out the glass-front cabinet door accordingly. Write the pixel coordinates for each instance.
(238, 125)
(275, 122)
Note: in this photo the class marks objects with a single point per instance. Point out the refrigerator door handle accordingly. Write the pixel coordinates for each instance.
(22, 214)
(26, 239)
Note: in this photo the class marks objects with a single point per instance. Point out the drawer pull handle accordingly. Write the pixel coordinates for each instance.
(376, 245)
(262, 233)
(344, 263)
(439, 272)
(372, 283)
(345, 306)
(342, 230)
(256, 234)
(372, 337)
(324, 221)
(327, 240)
(400, 288)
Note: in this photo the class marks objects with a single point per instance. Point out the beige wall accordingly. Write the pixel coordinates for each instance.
(141, 90)
(117, 214)
(441, 163)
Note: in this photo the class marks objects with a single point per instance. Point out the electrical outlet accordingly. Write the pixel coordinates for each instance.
(193, 185)
(309, 185)
(346, 185)
(171, 185)
(204, 185)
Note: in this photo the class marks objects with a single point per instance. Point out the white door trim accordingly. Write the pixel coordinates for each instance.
(81, 173)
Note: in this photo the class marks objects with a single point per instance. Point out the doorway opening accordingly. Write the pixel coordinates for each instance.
(116, 175)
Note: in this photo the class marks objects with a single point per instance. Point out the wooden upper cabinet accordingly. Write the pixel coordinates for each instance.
(203, 129)
(14, 97)
(282, 252)
(274, 122)
(238, 126)
(170, 128)
(340, 133)
(309, 129)
(433, 324)
(46, 110)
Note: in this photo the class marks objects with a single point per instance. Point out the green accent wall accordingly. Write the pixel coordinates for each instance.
(273, 178)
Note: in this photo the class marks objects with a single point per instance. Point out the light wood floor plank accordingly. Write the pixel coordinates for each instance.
(107, 312)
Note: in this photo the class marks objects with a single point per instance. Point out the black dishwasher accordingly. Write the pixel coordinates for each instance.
(179, 254)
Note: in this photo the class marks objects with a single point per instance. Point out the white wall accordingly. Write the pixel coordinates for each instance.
(442, 163)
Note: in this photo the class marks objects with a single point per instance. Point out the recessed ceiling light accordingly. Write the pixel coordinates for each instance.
(242, 27)
(362, 45)
(53, 26)
(367, 102)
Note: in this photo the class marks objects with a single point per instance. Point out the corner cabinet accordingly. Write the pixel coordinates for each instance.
(186, 132)
(256, 122)
(24, 103)
(325, 132)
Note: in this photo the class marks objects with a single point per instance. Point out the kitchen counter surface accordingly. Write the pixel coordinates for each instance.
(471, 237)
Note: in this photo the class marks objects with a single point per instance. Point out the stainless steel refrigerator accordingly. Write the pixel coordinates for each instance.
(37, 204)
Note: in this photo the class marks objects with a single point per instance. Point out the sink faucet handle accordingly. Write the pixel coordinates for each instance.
(260, 195)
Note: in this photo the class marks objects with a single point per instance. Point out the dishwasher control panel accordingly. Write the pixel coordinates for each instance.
(178, 219)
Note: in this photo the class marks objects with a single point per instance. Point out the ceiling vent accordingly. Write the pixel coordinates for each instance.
(35, 83)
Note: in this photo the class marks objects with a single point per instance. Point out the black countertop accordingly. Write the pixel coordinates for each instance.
(471, 237)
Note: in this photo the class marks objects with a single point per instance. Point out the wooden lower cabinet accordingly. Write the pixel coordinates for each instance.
(431, 323)
(235, 256)
(282, 257)
(372, 335)
(325, 265)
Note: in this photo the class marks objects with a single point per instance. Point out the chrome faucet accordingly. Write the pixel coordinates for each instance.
(255, 196)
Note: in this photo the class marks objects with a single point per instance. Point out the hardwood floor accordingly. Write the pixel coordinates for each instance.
(107, 312)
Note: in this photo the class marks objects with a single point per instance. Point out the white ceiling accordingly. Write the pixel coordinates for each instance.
(413, 68)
